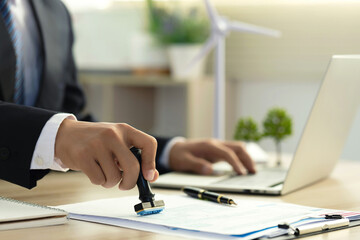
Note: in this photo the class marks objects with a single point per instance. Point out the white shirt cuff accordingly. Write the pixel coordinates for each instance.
(164, 157)
(44, 153)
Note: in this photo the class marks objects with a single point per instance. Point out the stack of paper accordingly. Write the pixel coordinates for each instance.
(195, 218)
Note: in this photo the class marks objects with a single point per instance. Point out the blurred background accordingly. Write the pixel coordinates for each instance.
(132, 76)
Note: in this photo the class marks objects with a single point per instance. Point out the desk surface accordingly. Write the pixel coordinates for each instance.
(339, 191)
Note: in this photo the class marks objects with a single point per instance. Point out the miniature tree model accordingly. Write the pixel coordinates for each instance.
(278, 125)
(247, 130)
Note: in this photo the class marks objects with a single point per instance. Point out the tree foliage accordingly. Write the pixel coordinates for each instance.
(247, 130)
(277, 124)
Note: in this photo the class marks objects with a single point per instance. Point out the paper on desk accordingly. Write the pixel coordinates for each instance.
(192, 217)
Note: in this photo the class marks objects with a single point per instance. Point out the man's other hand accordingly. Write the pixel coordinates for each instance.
(197, 156)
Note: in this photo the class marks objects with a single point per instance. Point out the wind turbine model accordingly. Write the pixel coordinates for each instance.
(220, 28)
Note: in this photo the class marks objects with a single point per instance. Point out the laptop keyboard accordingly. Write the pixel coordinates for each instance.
(264, 178)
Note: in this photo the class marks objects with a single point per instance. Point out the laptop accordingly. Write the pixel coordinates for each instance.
(318, 150)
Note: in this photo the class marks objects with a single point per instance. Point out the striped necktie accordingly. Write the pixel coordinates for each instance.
(15, 36)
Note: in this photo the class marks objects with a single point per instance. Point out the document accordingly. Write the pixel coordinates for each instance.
(195, 218)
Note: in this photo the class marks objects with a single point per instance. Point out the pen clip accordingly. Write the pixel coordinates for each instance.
(287, 226)
(333, 216)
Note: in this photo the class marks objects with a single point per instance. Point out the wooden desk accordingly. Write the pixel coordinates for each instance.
(339, 191)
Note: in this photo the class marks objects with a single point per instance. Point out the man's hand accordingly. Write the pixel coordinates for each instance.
(102, 152)
(197, 156)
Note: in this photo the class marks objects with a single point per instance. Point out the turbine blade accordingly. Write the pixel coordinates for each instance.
(211, 11)
(210, 43)
(249, 28)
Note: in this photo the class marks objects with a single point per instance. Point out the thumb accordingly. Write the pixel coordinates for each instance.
(198, 165)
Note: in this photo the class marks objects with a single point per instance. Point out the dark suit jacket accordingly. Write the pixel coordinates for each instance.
(21, 126)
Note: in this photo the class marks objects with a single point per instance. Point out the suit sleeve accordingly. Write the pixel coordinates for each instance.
(20, 128)
(162, 141)
(74, 98)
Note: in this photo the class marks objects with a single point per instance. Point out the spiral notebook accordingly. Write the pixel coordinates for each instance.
(16, 214)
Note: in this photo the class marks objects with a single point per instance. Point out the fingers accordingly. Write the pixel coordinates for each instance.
(200, 166)
(119, 140)
(109, 167)
(195, 164)
(94, 172)
(130, 169)
(129, 165)
(156, 176)
(197, 156)
(148, 145)
(245, 158)
(217, 150)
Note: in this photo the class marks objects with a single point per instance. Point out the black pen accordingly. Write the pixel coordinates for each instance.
(206, 195)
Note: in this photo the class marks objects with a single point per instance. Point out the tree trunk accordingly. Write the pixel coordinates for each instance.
(278, 154)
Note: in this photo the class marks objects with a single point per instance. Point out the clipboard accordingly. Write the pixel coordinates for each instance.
(315, 228)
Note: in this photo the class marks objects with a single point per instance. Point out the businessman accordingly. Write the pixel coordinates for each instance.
(40, 112)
